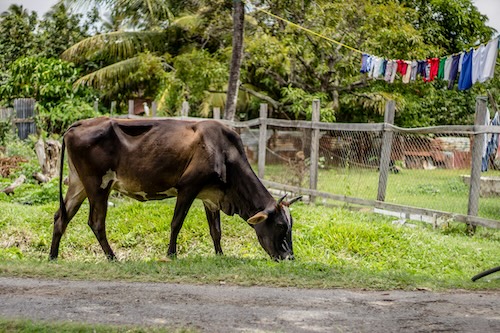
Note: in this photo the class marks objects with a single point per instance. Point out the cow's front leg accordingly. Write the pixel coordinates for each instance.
(182, 205)
(213, 218)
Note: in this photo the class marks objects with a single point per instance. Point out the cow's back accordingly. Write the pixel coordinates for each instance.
(148, 158)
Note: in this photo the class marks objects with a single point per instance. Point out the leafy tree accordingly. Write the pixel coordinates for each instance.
(60, 29)
(119, 52)
(17, 34)
(50, 82)
(298, 65)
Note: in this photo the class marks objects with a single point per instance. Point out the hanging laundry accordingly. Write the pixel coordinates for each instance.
(402, 67)
(421, 69)
(491, 143)
(432, 69)
(407, 75)
(465, 79)
(414, 66)
(476, 63)
(455, 62)
(366, 63)
(461, 62)
(442, 63)
(377, 67)
(383, 68)
(373, 69)
(394, 71)
(389, 69)
(490, 57)
(447, 68)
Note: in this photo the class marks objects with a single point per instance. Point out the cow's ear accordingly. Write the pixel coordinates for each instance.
(258, 218)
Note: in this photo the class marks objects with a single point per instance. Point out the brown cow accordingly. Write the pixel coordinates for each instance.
(151, 159)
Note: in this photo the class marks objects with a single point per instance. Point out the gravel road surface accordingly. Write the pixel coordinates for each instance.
(225, 308)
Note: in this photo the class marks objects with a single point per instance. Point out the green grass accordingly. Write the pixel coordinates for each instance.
(439, 189)
(28, 326)
(334, 248)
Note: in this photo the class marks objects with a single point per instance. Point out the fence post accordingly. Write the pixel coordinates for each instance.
(217, 113)
(112, 109)
(185, 109)
(476, 159)
(131, 107)
(154, 108)
(385, 154)
(262, 140)
(314, 158)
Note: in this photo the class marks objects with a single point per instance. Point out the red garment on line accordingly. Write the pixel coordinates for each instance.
(433, 63)
(402, 67)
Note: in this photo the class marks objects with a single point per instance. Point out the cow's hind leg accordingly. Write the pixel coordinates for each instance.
(74, 198)
(97, 220)
(213, 218)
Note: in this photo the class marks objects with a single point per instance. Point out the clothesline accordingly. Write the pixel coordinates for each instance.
(469, 67)
(475, 65)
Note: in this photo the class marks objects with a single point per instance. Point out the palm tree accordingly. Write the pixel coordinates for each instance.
(125, 46)
(149, 26)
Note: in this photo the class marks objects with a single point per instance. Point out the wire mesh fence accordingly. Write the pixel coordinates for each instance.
(428, 169)
(432, 174)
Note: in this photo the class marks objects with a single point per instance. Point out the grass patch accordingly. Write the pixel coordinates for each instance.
(439, 189)
(334, 248)
(29, 326)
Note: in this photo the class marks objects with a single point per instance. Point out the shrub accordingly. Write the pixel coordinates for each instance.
(60, 117)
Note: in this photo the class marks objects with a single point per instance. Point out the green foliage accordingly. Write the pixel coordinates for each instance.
(17, 35)
(35, 194)
(301, 104)
(5, 130)
(47, 80)
(188, 47)
(58, 118)
(196, 73)
(59, 30)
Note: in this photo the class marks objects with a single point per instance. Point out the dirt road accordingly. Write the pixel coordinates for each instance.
(226, 308)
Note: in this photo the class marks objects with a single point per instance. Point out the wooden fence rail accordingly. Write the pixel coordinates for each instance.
(386, 129)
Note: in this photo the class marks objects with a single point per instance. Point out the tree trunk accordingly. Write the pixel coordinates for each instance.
(48, 153)
(236, 58)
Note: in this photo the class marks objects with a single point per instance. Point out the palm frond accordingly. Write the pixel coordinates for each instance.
(113, 74)
(188, 22)
(116, 45)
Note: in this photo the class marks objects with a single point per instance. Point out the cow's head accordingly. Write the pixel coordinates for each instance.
(274, 229)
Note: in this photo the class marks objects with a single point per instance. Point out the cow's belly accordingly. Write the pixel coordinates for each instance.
(212, 196)
(137, 189)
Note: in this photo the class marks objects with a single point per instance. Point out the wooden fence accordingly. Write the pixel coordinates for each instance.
(386, 131)
(22, 116)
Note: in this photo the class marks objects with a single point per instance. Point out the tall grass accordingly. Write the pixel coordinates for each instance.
(334, 248)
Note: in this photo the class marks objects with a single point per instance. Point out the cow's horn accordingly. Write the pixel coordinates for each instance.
(288, 203)
(294, 199)
(282, 198)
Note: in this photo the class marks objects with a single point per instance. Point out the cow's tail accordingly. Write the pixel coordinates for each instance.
(62, 206)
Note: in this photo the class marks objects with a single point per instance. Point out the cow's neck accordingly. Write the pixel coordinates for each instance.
(247, 195)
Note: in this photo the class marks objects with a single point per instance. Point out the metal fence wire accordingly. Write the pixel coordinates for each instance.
(428, 172)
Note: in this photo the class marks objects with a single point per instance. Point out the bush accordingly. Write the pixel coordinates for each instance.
(60, 117)
(5, 129)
